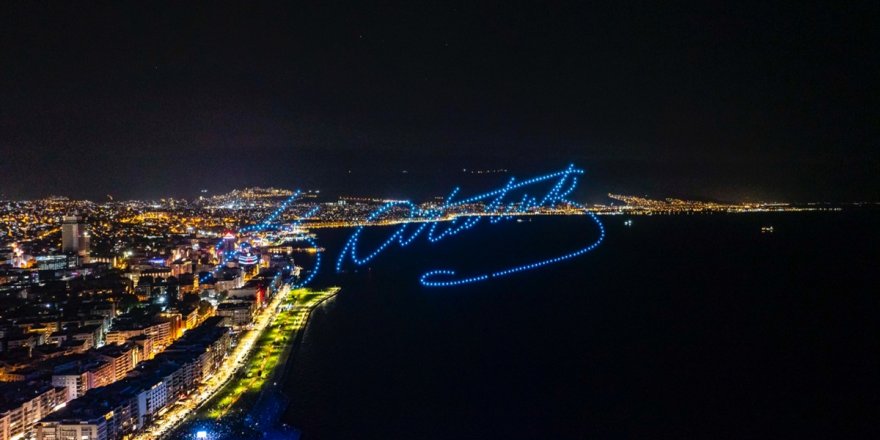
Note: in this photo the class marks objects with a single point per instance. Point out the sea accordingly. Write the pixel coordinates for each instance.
(675, 326)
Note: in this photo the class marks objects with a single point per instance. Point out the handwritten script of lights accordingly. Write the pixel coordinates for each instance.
(496, 209)
(267, 224)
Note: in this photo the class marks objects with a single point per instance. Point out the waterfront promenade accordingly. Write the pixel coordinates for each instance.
(220, 408)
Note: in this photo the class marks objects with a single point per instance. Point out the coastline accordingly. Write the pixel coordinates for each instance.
(242, 402)
(272, 400)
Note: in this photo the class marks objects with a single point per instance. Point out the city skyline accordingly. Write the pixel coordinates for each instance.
(595, 197)
(439, 219)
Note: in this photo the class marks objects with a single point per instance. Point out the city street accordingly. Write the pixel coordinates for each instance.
(244, 370)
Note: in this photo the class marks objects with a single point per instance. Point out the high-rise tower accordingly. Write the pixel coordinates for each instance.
(75, 237)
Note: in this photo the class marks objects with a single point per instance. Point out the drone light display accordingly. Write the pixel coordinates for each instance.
(267, 224)
(496, 209)
(430, 221)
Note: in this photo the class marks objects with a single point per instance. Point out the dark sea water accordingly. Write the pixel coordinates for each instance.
(677, 327)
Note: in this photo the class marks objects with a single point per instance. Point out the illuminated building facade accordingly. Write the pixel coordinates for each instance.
(21, 407)
(123, 407)
(75, 237)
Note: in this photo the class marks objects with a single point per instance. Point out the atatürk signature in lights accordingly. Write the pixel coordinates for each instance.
(497, 207)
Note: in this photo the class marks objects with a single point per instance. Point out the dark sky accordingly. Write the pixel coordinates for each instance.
(728, 101)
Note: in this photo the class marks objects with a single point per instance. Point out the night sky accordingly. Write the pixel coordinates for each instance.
(773, 101)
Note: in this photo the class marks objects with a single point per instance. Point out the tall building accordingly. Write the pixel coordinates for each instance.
(229, 244)
(75, 237)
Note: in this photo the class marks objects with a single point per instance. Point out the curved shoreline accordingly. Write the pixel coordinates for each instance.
(242, 415)
(268, 411)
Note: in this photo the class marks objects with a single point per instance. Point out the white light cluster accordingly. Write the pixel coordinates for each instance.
(267, 223)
